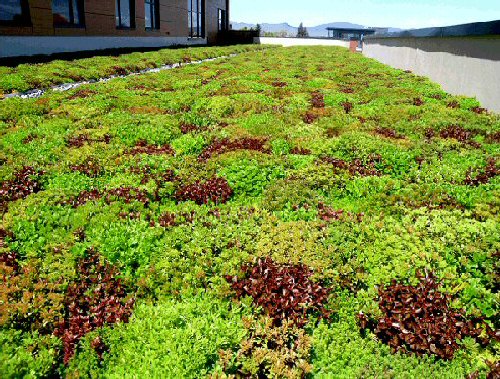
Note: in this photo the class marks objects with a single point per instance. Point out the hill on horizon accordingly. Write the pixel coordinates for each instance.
(314, 31)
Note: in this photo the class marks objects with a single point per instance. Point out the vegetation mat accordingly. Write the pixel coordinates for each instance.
(292, 212)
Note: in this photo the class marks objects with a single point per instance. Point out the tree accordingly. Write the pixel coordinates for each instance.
(258, 28)
(302, 32)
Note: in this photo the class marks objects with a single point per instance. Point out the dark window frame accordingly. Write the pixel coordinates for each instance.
(196, 10)
(222, 22)
(25, 16)
(81, 11)
(119, 15)
(154, 8)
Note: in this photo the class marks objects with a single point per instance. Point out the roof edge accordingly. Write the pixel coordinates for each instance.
(490, 28)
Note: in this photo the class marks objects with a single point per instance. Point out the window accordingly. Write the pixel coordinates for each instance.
(152, 14)
(196, 19)
(222, 20)
(14, 12)
(68, 13)
(125, 14)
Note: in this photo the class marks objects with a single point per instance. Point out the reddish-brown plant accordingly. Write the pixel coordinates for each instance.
(278, 84)
(355, 167)
(99, 346)
(91, 168)
(3, 235)
(457, 132)
(420, 161)
(310, 117)
(119, 71)
(130, 215)
(494, 370)
(82, 139)
(97, 297)
(317, 100)
(389, 133)
(79, 234)
(168, 220)
(429, 133)
(128, 195)
(300, 151)
(148, 175)
(347, 107)
(189, 128)
(479, 177)
(285, 292)
(478, 110)
(437, 96)
(418, 102)
(105, 138)
(493, 137)
(225, 145)
(78, 141)
(82, 198)
(347, 90)
(10, 259)
(215, 190)
(418, 319)
(329, 214)
(24, 183)
(29, 139)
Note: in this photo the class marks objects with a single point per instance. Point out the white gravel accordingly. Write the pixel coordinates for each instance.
(36, 93)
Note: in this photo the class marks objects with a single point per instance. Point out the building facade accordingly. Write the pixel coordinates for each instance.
(29, 27)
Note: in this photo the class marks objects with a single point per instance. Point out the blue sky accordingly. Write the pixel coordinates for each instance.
(394, 13)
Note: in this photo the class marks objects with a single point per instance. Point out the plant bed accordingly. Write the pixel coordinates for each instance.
(249, 223)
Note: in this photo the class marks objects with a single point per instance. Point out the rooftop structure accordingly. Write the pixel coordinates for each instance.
(348, 34)
(53, 26)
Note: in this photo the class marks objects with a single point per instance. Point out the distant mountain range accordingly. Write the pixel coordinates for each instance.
(314, 31)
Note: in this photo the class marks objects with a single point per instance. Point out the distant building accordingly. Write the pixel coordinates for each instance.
(349, 34)
(30, 27)
(381, 30)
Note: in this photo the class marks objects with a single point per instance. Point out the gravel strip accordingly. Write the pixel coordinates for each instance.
(36, 93)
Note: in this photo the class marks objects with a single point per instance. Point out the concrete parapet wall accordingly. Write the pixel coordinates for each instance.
(462, 65)
(286, 42)
(28, 46)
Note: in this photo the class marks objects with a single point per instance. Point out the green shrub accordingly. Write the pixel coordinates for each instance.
(188, 144)
(249, 178)
(28, 355)
(173, 339)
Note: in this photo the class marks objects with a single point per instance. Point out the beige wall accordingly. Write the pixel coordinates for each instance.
(100, 20)
(287, 42)
(467, 66)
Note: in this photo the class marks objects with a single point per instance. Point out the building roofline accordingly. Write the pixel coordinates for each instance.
(491, 28)
(351, 30)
